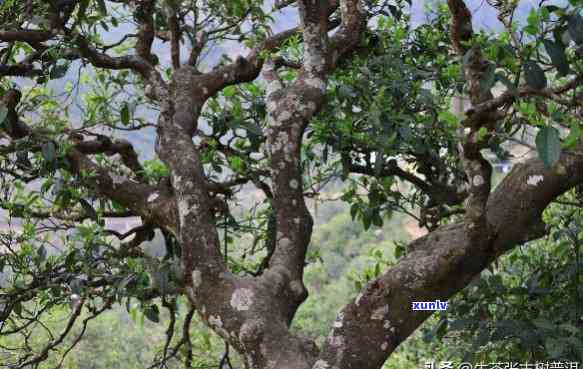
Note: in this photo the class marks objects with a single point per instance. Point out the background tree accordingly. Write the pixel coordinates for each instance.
(353, 95)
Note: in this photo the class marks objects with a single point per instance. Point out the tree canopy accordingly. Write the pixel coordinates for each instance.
(400, 118)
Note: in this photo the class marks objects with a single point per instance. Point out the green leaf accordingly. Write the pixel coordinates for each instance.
(548, 145)
(557, 54)
(379, 163)
(533, 22)
(545, 324)
(574, 135)
(76, 286)
(377, 220)
(17, 308)
(481, 134)
(101, 7)
(236, 163)
(152, 313)
(48, 151)
(534, 75)
(229, 91)
(125, 114)
(252, 128)
(449, 118)
(441, 328)
(58, 71)
(134, 314)
(89, 209)
(42, 253)
(253, 89)
(354, 209)
(367, 219)
(554, 347)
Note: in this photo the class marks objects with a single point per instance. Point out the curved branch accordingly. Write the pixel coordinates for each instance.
(445, 261)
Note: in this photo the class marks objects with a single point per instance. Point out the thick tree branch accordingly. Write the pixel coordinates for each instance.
(122, 147)
(144, 14)
(28, 36)
(443, 262)
(478, 169)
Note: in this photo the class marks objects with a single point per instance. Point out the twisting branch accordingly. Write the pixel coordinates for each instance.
(144, 14)
(122, 147)
(478, 169)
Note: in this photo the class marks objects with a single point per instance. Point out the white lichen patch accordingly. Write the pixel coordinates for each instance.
(387, 324)
(284, 115)
(117, 179)
(380, 313)
(242, 299)
(384, 346)
(153, 196)
(196, 278)
(272, 87)
(182, 210)
(478, 180)
(285, 242)
(294, 184)
(534, 180)
(316, 83)
(321, 364)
